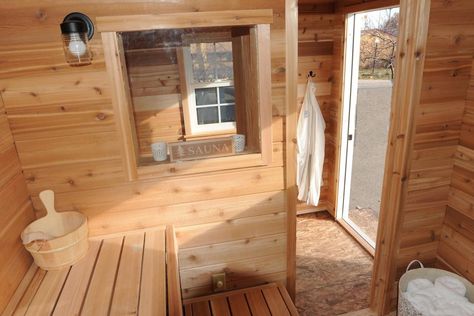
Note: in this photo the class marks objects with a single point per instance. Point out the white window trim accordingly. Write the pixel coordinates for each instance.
(190, 86)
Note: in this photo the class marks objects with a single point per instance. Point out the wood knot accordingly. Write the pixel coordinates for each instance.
(457, 39)
(98, 90)
(62, 108)
(101, 116)
(31, 178)
(70, 181)
(172, 170)
(41, 15)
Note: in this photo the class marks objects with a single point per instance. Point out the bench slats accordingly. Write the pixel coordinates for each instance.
(100, 291)
(110, 280)
(219, 306)
(127, 284)
(264, 300)
(255, 299)
(75, 287)
(153, 283)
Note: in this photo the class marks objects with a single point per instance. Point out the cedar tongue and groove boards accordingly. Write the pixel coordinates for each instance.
(120, 275)
(64, 127)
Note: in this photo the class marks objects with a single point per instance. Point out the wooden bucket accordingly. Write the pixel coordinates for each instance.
(57, 240)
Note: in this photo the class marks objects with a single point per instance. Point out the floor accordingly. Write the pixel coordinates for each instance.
(120, 275)
(333, 271)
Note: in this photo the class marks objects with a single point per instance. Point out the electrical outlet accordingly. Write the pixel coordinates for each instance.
(218, 282)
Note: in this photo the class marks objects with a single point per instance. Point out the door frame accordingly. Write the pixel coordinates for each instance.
(348, 125)
(413, 34)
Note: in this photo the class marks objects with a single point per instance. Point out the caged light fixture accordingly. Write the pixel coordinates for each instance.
(77, 29)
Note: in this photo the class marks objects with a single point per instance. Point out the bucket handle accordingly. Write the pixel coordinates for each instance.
(47, 197)
(415, 261)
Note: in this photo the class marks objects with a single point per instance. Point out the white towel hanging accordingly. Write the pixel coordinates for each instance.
(311, 142)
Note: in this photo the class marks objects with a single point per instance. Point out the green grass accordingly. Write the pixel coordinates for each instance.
(379, 74)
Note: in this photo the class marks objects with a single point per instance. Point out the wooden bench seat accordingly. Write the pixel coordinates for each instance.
(134, 273)
(265, 300)
(124, 274)
(268, 299)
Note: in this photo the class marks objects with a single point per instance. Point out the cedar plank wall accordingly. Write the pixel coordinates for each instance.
(439, 141)
(320, 33)
(15, 213)
(154, 80)
(437, 218)
(439, 131)
(457, 237)
(63, 123)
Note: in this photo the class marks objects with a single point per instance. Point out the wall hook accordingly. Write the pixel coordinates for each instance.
(311, 74)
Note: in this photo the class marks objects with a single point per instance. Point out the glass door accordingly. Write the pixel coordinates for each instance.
(369, 70)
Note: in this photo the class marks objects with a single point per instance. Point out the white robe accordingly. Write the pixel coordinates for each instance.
(310, 144)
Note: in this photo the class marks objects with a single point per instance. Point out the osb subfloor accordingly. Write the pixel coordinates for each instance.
(333, 271)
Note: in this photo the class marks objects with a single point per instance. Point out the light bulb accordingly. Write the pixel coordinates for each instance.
(76, 45)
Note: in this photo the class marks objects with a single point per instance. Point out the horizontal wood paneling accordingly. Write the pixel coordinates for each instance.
(65, 129)
(320, 33)
(435, 157)
(438, 122)
(457, 242)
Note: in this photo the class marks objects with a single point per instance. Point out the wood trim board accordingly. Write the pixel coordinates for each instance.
(124, 23)
(291, 19)
(414, 15)
(117, 71)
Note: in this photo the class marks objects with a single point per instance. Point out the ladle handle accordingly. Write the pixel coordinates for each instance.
(47, 197)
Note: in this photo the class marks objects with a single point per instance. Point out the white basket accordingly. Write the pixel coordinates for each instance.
(405, 308)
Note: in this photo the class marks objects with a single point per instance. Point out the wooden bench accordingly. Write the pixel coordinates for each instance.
(123, 274)
(269, 299)
(135, 273)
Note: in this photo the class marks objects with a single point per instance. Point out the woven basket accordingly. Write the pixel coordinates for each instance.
(405, 308)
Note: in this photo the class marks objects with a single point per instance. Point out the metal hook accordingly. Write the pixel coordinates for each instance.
(311, 74)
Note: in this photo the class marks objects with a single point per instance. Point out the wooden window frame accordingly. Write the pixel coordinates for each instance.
(191, 127)
(111, 26)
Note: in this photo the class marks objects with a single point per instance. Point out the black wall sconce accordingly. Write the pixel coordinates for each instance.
(77, 29)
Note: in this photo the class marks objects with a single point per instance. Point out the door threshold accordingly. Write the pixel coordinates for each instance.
(348, 228)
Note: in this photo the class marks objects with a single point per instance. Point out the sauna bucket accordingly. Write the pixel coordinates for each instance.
(57, 240)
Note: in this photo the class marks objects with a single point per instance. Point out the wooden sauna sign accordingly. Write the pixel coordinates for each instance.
(197, 149)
